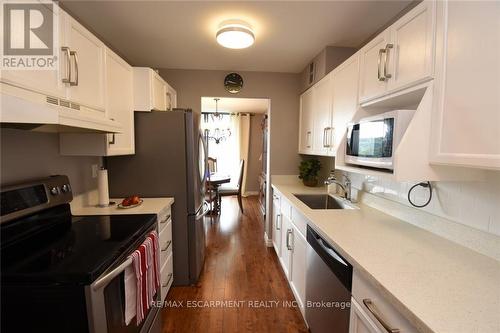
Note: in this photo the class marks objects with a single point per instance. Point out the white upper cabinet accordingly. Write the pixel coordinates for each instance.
(150, 91)
(306, 122)
(87, 66)
(322, 116)
(74, 93)
(401, 56)
(119, 85)
(47, 82)
(120, 104)
(466, 113)
(372, 56)
(412, 53)
(345, 99)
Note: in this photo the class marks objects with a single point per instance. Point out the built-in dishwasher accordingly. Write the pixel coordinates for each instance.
(328, 287)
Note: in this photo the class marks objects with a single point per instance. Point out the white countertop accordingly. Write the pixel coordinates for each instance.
(436, 284)
(149, 206)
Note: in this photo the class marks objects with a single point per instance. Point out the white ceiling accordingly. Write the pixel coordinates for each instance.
(181, 35)
(235, 105)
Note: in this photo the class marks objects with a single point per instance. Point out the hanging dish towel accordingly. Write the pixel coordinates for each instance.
(141, 279)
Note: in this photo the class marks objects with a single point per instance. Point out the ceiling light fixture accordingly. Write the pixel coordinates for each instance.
(235, 35)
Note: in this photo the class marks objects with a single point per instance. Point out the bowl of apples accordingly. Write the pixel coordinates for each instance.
(130, 202)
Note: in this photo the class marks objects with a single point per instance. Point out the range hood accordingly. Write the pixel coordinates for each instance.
(37, 112)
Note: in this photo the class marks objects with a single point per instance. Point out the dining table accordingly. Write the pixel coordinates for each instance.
(214, 182)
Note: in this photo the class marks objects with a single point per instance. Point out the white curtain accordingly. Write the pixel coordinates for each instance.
(244, 134)
(234, 148)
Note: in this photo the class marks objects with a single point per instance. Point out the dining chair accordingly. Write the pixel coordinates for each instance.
(226, 190)
(212, 164)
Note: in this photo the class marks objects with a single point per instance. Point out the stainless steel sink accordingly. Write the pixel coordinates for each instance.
(324, 201)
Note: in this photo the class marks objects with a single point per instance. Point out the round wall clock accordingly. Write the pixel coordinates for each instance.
(233, 82)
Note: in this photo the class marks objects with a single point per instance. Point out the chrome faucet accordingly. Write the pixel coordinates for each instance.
(346, 186)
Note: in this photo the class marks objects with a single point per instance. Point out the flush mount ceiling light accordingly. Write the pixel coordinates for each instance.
(235, 35)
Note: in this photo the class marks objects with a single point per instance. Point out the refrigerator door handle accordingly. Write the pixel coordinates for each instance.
(204, 211)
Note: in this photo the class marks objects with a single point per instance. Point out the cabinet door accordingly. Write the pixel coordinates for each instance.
(466, 117)
(359, 320)
(159, 93)
(412, 38)
(322, 115)
(286, 239)
(120, 104)
(306, 123)
(345, 99)
(372, 83)
(298, 265)
(276, 221)
(48, 82)
(87, 66)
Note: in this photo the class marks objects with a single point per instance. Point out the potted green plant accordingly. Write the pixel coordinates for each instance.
(309, 170)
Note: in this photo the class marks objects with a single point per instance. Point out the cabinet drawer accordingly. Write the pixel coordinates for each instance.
(166, 277)
(299, 221)
(286, 208)
(164, 219)
(165, 243)
(362, 291)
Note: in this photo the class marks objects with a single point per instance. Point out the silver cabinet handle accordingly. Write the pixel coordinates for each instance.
(386, 57)
(379, 64)
(166, 247)
(66, 51)
(74, 54)
(278, 218)
(330, 136)
(308, 137)
(166, 219)
(327, 137)
(288, 233)
(165, 285)
(374, 311)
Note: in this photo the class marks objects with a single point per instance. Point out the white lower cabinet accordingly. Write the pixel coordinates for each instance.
(276, 224)
(359, 321)
(166, 252)
(286, 234)
(298, 266)
(290, 244)
(372, 312)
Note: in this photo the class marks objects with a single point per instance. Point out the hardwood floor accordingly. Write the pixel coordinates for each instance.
(239, 268)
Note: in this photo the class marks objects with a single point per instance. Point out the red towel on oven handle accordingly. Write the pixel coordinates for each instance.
(156, 259)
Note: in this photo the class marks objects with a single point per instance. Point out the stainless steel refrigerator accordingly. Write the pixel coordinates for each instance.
(170, 161)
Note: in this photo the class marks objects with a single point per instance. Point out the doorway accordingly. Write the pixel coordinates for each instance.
(236, 129)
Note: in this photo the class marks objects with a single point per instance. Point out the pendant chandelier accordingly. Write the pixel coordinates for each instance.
(216, 115)
(218, 135)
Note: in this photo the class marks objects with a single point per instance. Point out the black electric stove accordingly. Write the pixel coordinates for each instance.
(50, 258)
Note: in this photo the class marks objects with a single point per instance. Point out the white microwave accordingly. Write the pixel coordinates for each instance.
(372, 141)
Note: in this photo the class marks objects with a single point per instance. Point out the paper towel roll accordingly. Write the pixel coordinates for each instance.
(102, 187)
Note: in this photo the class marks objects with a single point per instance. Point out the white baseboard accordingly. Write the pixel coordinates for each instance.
(267, 240)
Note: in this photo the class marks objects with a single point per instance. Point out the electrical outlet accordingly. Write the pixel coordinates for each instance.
(95, 168)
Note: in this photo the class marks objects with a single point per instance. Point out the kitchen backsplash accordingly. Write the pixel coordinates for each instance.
(464, 212)
(28, 155)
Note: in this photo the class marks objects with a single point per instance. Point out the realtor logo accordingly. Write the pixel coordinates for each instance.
(29, 35)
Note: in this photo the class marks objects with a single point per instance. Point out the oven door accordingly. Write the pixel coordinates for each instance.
(370, 143)
(106, 305)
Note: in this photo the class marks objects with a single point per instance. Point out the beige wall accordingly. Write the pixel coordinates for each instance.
(28, 155)
(281, 88)
(254, 151)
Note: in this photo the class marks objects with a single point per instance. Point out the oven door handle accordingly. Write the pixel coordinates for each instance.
(103, 281)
